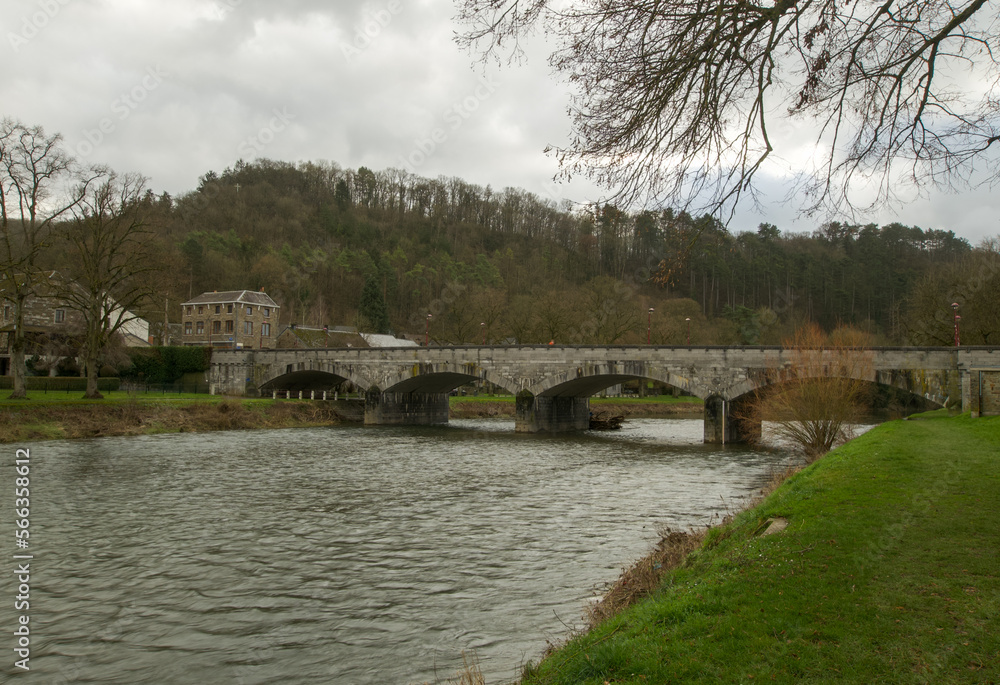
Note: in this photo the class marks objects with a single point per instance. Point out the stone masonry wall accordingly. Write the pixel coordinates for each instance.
(985, 392)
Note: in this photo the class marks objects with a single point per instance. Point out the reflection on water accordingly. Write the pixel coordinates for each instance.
(347, 554)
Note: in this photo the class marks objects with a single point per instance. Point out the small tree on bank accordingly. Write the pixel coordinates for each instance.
(817, 397)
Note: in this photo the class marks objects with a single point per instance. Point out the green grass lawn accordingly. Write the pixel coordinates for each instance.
(889, 572)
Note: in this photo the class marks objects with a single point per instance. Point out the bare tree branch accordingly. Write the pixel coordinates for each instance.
(674, 101)
(108, 240)
(35, 192)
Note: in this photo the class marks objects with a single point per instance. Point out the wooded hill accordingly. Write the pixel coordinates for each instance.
(381, 250)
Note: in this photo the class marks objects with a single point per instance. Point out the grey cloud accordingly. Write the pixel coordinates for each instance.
(359, 93)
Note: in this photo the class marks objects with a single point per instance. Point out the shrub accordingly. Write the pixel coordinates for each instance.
(167, 364)
(815, 399)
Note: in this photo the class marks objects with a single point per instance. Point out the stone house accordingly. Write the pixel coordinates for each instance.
(231, 318)
(44, 312)
(51, 325)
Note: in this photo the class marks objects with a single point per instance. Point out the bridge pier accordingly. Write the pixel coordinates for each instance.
(543, 414)
(405, 408)
(726, 423)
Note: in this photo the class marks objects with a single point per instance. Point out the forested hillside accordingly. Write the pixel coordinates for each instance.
(383, 249)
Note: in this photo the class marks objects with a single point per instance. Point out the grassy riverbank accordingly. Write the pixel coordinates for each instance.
(888, 571)
(48, 418)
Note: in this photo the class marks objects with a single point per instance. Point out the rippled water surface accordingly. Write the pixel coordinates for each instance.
(346, 554)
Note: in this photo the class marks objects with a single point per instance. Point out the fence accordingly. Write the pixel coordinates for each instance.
(56, 384)
(49, 384)
(140, 388)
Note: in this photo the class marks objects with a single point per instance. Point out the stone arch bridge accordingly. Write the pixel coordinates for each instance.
(553, 383)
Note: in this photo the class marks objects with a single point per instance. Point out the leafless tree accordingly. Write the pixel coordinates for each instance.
(816, 399)
(679, 100)
(36, 176)
(109, 249)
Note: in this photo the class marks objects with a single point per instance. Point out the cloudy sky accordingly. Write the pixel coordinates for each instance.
(175, 89)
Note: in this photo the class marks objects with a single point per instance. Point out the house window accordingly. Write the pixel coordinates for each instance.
(188, 309)
(265, 330)
(267, 311)
(216, 326)
(60, 316)
(218, 309)
(6, 311)
(229, 309)
(201, 309)
(187, 328)
(249, 311)
(248, 327)
(229, 326)
(201, 327)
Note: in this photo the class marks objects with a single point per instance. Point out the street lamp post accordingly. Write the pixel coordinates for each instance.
(427, 332)
(649, 325)
(482, 327)
(688, 319)
(954, 306)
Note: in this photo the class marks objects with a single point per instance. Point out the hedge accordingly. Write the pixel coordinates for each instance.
(167, 364)
(60, 383)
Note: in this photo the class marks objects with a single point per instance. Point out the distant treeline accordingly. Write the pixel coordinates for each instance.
(383, 249)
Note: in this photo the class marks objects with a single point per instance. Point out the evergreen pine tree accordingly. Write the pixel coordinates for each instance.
(372, 306)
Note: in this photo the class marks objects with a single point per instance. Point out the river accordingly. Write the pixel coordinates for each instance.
(346, 554)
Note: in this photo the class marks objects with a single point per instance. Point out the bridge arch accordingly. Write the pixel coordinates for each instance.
(311, 375)
(443, 377)
(937, 387)
(585, 381)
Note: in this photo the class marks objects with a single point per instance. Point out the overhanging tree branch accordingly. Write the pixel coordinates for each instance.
(108, 240)
(675, 101)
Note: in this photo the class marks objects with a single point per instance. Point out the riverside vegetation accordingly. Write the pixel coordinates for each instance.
(886, 572)
(53, 417)
(59, 415)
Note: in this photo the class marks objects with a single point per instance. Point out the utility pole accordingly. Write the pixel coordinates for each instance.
(165, 337)
(954, 306)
